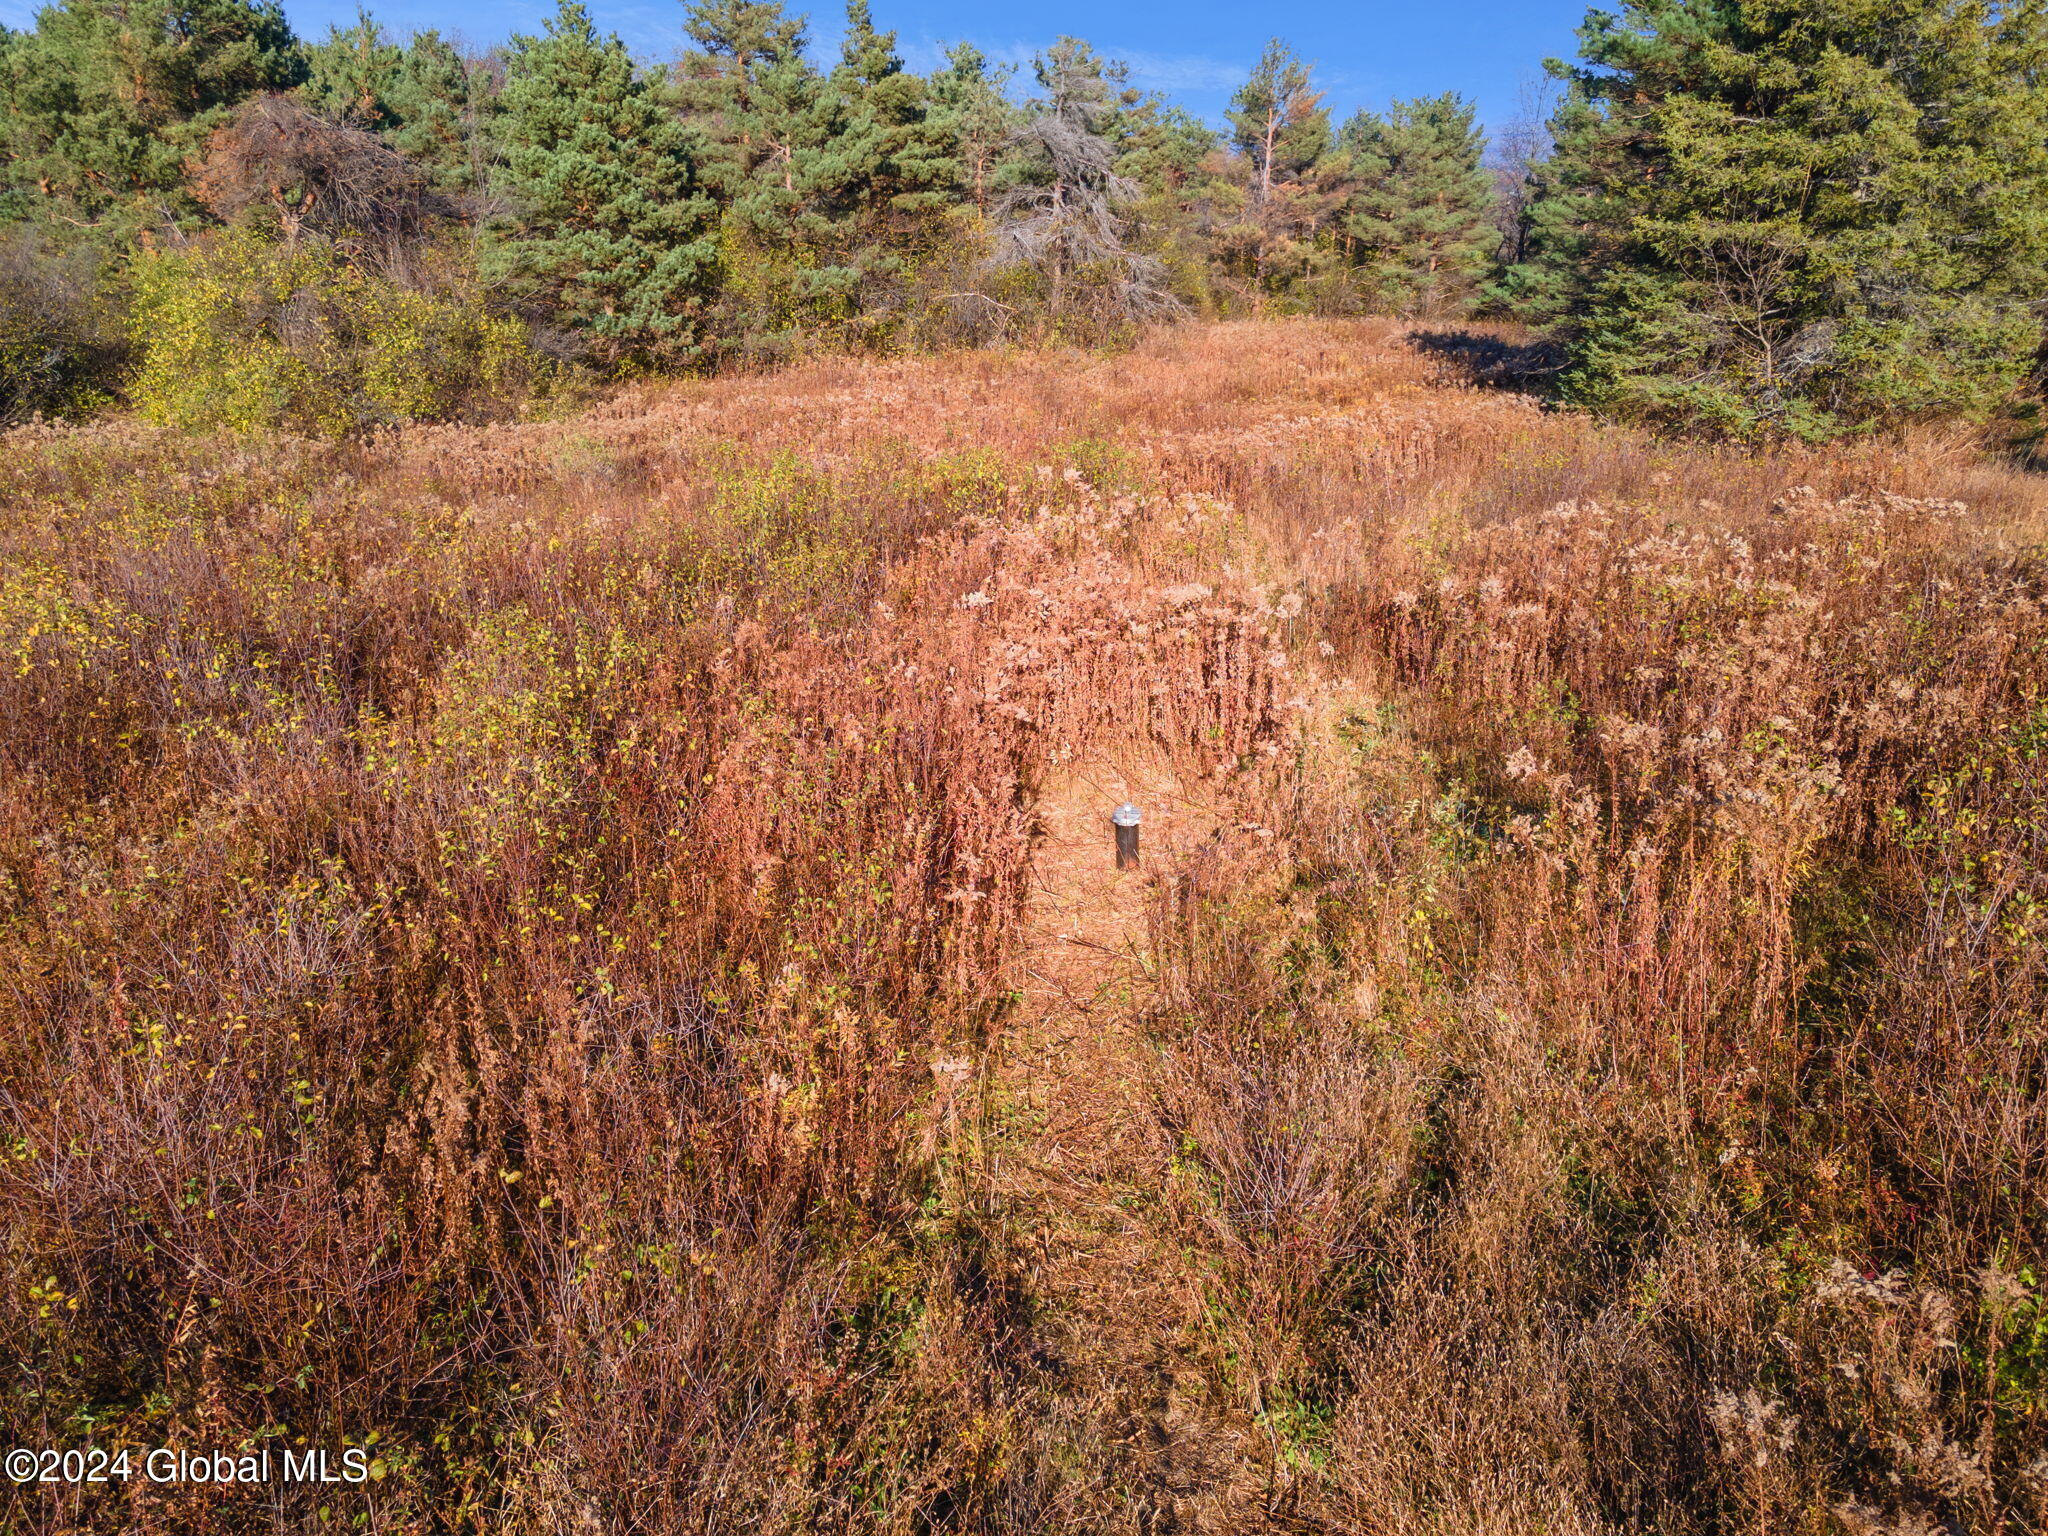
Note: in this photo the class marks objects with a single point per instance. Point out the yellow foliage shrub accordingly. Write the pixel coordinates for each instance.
(246, 334)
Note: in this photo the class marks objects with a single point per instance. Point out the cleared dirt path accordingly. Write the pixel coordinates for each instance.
(1081, 1164)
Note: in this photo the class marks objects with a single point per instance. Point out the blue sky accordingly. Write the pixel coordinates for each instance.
(1195, 51)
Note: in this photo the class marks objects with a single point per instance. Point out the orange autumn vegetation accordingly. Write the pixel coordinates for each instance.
(511, 949)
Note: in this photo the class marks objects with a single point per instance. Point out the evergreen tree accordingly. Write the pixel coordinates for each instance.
(970, 108)
(350, 74)
(741, 38)
(1278, 120)
(1421, 217)
(1811, 214)
(882, 164)
(803, 156)
(436, 103)
(1170, 156)
(1063, 218)
(749, 93)
(610, 231)
(418, 96)
(1158, 145)
(828, 181)
(105, 101)
(1281, 128)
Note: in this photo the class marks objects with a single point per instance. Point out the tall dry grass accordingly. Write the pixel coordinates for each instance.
(489, 945)
(1619, 1104)
(503, 929)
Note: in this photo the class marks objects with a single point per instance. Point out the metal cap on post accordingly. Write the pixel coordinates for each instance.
(1126, 818)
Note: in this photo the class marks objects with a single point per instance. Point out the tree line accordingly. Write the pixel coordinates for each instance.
(1753, 216)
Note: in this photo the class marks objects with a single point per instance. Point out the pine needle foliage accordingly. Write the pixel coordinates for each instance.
(611, 231)
(1422, 218)
(1806, 216)
(1281, 129)
(103, 103)
(417, 94)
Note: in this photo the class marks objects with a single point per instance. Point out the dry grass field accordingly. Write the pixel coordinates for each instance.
(584, 957)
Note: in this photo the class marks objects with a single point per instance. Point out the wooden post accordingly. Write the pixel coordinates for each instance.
(1125, 819)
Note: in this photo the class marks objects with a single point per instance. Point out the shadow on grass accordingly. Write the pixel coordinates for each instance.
(1493, 361)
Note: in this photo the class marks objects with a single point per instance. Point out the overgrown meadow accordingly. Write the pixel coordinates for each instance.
(511, 947)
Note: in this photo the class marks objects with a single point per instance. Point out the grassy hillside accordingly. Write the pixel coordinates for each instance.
(584, 957)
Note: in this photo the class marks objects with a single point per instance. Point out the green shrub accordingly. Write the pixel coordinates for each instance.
(243, 333)
(895, 292)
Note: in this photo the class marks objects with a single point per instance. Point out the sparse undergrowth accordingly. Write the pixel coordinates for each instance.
(504, 929)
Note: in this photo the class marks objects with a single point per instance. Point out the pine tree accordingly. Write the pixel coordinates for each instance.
(750, 94)
(1812, 214)
(1281, 128)
(826, 179)
(104, 102)
(435, 101)
(1278, 120)
(610, 231)
(1170, 156)
(741, 38)
(1421, 217)
(1160, 146)
(970, 108)
(418, 96)
(1063, 218)
(884, 161)
(350, 73)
